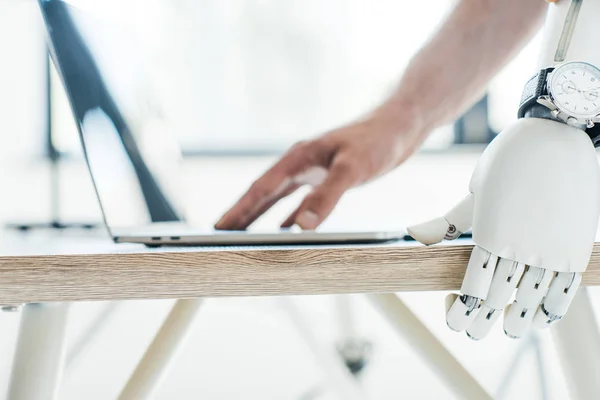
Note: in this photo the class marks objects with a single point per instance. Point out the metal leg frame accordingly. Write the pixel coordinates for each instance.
(158, 358)
(345, 317)
(335, 369)
(542, 370)
(353, 348)
(39, 356)
(531, 342)
(154, 365)
(578, 344)
(439, 359)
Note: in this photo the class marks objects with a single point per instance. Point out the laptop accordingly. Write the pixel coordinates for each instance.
(124, 173)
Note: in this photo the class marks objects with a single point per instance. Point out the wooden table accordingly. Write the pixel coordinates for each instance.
(40, 268)
(56, 270)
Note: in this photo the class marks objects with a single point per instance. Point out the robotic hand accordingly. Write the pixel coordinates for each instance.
(534, 207)
(535, 193)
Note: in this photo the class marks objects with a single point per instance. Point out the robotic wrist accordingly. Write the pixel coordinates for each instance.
(540, 111)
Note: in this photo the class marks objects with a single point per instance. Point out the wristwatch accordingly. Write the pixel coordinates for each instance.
(569, 93)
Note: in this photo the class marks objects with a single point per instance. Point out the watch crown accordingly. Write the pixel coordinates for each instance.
(572, 121)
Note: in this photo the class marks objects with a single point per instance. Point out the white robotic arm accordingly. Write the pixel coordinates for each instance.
(534, 204)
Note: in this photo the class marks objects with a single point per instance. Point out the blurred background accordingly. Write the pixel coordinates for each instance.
(235, 83)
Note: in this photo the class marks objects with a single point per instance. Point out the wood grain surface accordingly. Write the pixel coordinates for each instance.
(116, 272)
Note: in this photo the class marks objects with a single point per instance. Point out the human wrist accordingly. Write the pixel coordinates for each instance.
(403, 118)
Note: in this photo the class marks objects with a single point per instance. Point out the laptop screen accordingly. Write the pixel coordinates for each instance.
(127, 149)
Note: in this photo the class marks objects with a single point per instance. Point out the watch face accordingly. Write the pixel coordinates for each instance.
(575, 88)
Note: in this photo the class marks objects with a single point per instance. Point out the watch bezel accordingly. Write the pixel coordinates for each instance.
(592, 117)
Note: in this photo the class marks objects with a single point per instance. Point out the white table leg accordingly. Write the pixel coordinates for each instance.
(39, 356)
(578, 344)
(439, 359)
(155, 364)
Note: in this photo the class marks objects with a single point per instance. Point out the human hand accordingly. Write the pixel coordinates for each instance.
(331, 164)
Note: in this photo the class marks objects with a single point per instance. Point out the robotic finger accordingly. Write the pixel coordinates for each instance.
(456, 221)
(506, 277)
(558, 299)
(532, 289)
(475, 287)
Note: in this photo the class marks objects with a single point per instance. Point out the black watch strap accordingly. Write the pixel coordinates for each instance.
(534, 88)
(594, 134)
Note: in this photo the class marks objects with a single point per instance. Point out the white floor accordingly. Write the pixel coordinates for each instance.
(247, 348)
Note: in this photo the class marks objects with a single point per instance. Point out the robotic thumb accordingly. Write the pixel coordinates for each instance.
(450, 226)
